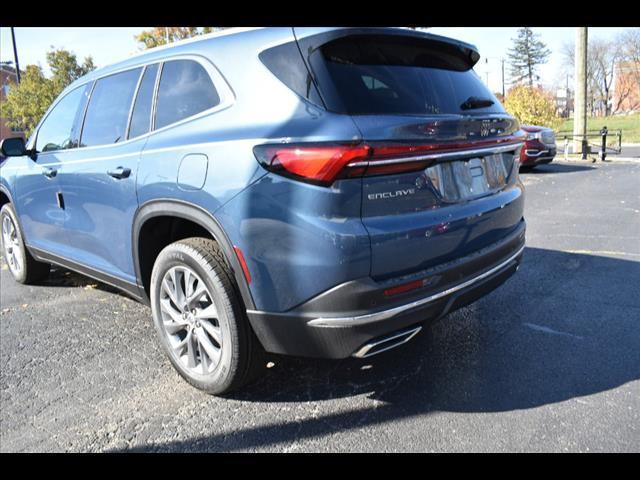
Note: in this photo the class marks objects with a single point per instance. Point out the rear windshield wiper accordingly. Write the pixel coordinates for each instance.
(476, 102)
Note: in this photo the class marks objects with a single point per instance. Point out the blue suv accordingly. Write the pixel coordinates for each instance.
(318, 192)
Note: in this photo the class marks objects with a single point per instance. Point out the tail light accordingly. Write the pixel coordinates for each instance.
(322, 163)
(315, 163)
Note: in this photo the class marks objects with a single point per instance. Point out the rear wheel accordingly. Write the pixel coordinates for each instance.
(200, 318)
(23, 267)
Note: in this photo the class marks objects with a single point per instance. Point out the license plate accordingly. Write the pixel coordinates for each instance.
(465, 179)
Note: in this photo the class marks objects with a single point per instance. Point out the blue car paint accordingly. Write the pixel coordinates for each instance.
(299, 240)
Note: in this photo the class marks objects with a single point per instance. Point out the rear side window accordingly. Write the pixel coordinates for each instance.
(185, 89)
(57, 132)
(374, 74)
(286, 63)
(141, 116)
(108, 111)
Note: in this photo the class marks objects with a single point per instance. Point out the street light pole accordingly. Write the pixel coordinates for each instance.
(15, 54)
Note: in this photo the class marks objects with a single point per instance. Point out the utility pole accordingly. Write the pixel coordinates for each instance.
(15, 54)
(502, 61)
(166, 33)
(486, 62)
(580, 95)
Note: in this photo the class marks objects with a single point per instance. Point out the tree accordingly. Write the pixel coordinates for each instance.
(526, 54)
(65, 68)
(27, 102)
(603, 56)
(162, 35)
(532, 106)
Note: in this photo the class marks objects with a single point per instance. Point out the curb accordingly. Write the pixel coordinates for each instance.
(597, 160)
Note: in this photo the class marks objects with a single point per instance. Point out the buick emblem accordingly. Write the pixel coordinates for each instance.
(484, 128)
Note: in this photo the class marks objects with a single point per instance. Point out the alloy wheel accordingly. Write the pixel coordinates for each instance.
(190, 320)
(11, 242)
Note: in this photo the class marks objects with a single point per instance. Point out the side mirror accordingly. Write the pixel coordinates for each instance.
(13, 147)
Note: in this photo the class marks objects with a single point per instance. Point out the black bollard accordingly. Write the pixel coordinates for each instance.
(603, 149)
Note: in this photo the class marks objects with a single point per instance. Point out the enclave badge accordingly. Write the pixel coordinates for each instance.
(397, 193)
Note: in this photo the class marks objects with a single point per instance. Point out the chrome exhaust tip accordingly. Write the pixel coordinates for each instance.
(386, 343)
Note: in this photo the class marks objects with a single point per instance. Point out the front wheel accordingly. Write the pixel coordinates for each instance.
(200, 318)
(23, 267)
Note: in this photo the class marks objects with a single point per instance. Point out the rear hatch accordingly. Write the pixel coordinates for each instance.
(440, 180)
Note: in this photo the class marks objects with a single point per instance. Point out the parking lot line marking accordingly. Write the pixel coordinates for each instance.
(602, 252)
(541, 328)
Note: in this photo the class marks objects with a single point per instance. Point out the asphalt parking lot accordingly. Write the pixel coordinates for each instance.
(548, 362)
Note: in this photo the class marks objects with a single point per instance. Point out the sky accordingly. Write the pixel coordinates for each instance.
(111, 44)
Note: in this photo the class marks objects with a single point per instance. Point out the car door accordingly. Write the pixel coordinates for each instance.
(38, 193)
(99, 184)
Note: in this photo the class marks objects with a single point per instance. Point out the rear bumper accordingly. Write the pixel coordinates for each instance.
(341, 321)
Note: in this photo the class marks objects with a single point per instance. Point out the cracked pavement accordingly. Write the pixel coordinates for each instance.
(548, 362)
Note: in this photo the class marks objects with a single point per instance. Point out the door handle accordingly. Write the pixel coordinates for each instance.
(119, 173)
(49, 172)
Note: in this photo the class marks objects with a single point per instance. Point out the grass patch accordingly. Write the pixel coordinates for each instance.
(629, 124)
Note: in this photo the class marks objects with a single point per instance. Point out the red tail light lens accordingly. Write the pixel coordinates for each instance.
(322, 164)
(319, 164)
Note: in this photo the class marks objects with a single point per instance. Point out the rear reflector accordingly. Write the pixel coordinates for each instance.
(243, 263)
(322, 164)
(407, 287)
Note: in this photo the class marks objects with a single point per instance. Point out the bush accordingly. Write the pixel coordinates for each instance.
(532, 106)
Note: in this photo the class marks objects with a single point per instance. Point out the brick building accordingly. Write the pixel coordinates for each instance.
(8, 78)
(626, 90)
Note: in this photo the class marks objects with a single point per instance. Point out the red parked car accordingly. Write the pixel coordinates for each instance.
(539, 147)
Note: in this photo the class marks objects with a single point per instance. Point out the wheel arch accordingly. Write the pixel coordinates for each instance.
(5, 196)
(197, 215)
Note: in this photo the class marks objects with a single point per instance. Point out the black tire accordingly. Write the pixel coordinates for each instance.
(242, 358)
(30, 271)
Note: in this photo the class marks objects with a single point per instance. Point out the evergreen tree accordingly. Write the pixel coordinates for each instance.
(526, 54)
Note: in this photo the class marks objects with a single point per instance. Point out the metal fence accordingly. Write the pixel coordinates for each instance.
(603, 141)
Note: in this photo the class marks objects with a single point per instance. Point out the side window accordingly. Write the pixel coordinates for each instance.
(56, 132)
(141, 117)
(108, 111)
(185, 89)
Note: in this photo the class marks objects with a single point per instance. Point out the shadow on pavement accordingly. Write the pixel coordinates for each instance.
(565, 326)
(556, 168)
(61, 277)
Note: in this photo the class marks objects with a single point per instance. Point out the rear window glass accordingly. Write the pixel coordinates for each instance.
(377, 75)
(185, 90)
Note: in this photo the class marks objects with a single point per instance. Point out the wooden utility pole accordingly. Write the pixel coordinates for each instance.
(502, 61)
(580, 96)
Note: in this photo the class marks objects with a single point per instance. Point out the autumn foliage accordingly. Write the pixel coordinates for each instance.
(532, 106)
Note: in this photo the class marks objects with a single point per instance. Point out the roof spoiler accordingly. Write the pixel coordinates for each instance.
(464, 56)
